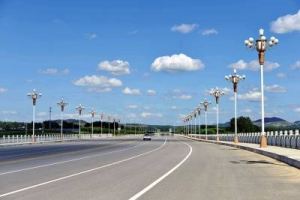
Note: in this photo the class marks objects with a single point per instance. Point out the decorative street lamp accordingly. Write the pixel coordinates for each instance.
(199, 120)
(114, 119)
(217, 93)
(261, 45)
(108, 117)
(195, 121)
(62, 105)
(93, 116)
(80, 108)
(191, 123)
(119, 129)
(235, 79)
(101, 117)
(34, 96)
(205, 103)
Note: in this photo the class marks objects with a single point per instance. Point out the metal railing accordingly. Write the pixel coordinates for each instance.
(287, 139)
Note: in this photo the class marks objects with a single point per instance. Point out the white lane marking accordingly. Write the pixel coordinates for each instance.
(149, 187)
(80, 173)
(67, 161)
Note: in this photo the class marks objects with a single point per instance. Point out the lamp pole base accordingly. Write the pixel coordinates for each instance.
(236, 140)
(217, 138)
(33, 139)
(263, 142)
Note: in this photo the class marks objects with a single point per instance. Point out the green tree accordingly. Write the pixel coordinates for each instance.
(244, 124)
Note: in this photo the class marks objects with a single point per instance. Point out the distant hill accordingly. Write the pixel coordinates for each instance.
(273, 121)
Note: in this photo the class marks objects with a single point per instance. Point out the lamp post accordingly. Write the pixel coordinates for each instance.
(217, 93)
(80, 108)
(195, 121)
(62, 105)
(261, 45)
(114, 126)
(101, 117)
(191, 123)
(34, 96)
(108, 117)
(205, 103)
(93, 115)
(199, 120)
(235, 79)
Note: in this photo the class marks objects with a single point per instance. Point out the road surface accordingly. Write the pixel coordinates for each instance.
(129, 168)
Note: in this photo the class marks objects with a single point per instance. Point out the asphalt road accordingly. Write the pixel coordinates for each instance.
(129, 168)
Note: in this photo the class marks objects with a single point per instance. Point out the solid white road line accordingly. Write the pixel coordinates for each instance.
(67, 161)
(80, 173)
(149, 187)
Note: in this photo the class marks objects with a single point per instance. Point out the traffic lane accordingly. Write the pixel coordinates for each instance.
(120, 181)
(18, 151)
(15, 181)
(60, 148)
(221, 172)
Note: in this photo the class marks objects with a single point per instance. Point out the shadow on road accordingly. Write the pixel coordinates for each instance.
(251, 162)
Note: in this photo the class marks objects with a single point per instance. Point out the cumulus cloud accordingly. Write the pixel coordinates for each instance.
(209, 32)
(281, 75)
(129, 91)
(98, 81)
(54, 71)
(296, 65)
(184, 28)
(132, 106)
(224, 89)
(275, 88)
(116, 67)
(150, 115)
(91, 36)
(185, 97)
(252, 96)
(286, 24)
(254, 66)
(3, 90)
(176, 63)
(297, 110)
(174, 108)
(99, 90)
(151, 92)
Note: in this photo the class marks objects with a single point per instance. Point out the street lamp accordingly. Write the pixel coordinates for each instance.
(191, 123)
(195, 120)
(34, 96)
(261, 45)
(101, 117)
(205, 103)
(217, 93)
(235, 79)
(108, 117)
(80, 108)
(199, 119)
(62, 105)
(114, 119)
(93, 116)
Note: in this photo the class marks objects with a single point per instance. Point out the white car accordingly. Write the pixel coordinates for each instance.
(147, 137)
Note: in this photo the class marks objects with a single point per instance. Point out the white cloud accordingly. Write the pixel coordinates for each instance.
(151, 115)
(184, 28)
(151, 92)
(254, 65)
(129, 91)
(253, 95)
(98, 81)
(281, 75)
(224, 89)
(297, 110)
(174, 108)
(147, 108)
(296, 65)
(42, 114)
(116, 67)
(8, 112)
(176, 63)
(246, 111)
(286, 24)
(3, 90)
(185, 97)
(209, 32)
(99, 90)
(132, 106)
(275, 88)
(54, 71)
(91, 36)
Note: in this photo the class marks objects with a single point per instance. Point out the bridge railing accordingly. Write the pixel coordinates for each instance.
(287, 139)
(18, 139)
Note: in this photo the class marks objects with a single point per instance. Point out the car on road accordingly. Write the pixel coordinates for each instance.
(147, 137)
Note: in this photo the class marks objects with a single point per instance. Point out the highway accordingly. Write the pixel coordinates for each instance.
(129, 168)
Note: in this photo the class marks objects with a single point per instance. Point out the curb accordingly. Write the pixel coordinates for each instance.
(281, 158)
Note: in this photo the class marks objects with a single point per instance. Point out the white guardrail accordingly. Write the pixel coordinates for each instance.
(22, 139)
(287, 139)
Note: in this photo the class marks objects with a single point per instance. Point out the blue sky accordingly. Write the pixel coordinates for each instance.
(107, 55)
